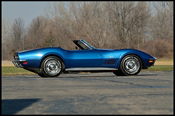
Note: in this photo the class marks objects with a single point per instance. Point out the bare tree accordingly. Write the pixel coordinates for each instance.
(142, 16)
(129, 20)
(5, 34)
(162, 21)
(108, 24)
(35, 33)
(49, 40)
(18, 34)
(91, 22)
(60, 21)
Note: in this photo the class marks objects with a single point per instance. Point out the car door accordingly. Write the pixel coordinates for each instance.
(83, 58)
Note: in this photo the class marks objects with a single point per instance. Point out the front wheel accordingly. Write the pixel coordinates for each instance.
(129, 65)
(51, 67)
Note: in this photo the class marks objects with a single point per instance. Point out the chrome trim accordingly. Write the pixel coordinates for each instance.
(89, 69)
(15, 55)
(17, 63)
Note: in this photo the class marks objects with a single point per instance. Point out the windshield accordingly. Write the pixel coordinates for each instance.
(89, 45)
(83, 45)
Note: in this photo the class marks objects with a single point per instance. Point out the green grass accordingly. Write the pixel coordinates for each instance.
(11, 70)
(160, 68)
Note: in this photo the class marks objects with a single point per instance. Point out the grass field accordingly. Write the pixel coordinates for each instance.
(160, 68)
(12, 70)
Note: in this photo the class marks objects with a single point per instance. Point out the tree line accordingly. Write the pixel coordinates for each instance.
(147, 26)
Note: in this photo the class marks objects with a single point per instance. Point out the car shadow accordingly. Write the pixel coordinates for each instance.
(12, 106)
(91, 76)
(80, 75)
(147, 74)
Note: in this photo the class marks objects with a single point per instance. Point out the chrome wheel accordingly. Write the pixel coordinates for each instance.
(52, 67)
(131, 65)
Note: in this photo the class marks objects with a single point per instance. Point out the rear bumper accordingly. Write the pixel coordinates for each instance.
(17, 63)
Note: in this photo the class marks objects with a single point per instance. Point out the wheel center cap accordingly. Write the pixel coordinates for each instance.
(130, 65)
(52, 66)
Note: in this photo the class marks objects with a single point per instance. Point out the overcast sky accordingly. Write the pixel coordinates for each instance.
(26, 10)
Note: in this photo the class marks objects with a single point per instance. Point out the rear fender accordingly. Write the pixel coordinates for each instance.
(50, 54)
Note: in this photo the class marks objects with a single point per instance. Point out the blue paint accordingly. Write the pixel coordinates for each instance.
(92, 57)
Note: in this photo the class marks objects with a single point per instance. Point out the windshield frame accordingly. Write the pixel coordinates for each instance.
(83, 45)
(87, 44)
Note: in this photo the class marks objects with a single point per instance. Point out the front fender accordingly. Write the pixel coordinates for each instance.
(143, 56)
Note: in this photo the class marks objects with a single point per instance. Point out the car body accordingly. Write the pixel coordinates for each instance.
(51, 61)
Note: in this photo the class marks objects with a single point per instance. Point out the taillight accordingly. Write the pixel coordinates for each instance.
(24, 62)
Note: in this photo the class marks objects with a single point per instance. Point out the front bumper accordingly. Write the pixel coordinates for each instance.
(17, 63)
(150, 62)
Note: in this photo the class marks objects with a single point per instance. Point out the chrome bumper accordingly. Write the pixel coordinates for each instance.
(17, 63)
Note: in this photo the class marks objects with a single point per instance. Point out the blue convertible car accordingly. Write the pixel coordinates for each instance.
(52, 61)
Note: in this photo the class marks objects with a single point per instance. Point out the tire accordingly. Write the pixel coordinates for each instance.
(51, 66)
(129, 65)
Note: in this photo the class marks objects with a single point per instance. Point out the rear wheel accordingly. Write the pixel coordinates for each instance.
(51, 67)
(129, 65)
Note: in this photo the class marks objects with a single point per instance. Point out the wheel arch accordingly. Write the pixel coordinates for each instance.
(52, 55)
(142, 63)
